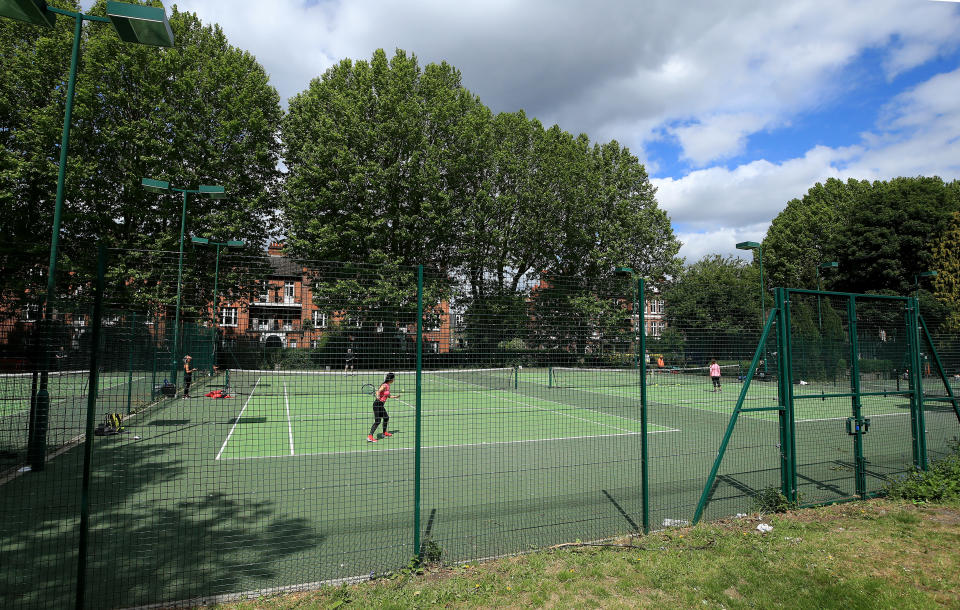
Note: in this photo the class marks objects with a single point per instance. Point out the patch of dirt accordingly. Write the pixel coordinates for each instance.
(944, 516)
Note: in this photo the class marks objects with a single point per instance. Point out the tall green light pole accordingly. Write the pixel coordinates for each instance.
(752, 245)
(212, 191)
(628, 272)
(828, 265)
(234, 243)
(133, 23)
(916, 281)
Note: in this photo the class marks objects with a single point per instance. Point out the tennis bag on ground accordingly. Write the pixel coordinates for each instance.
(112, 424)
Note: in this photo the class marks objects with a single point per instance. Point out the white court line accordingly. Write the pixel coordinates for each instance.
(286, 399)
(379, 450)
(237, 421)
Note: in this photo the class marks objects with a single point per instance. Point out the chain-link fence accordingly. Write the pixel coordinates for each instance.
(335, 420)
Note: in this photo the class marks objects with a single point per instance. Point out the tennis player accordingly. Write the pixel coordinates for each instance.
(187, 375)
(351, 358)
(379, 410)
(715, 375)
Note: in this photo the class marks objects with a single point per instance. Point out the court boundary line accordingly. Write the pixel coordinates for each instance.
(378, 450)
(237, 420)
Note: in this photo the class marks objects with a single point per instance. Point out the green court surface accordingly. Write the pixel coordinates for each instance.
(277, 486)
(289, 414)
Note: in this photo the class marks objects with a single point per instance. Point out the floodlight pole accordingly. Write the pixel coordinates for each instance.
(830, 265)
(752, 245)
(36, 13)
(216, 272)
(916, 281)
(215, 192)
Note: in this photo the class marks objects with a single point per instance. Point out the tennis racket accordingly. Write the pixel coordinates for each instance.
(368, 388)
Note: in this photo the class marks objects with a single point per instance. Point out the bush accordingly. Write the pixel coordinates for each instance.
(772, 500)
(940, 482)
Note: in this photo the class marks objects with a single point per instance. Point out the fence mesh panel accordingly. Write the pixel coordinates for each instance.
(515, 418)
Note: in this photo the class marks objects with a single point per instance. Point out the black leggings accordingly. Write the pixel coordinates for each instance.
(379, 414)
(716, 382)
(187, 380)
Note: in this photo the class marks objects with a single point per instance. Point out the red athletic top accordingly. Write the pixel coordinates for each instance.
(384, 392)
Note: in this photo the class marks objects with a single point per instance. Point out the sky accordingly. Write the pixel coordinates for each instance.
(734, 107)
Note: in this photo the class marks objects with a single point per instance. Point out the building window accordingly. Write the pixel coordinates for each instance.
(319, 319)
(264, 293)
(228, 316)
(31, 313)
(288, 292)
(293, 342)
(458, 320)
(657, 327)
(314, 343)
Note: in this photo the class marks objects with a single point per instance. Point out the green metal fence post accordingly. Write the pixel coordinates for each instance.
(917, 414)
(644, 465)
(860, 476)
(418, 552)
(84, 532)
(913, 342)
(788, 452)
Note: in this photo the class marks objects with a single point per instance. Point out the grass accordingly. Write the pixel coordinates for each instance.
(876, 554)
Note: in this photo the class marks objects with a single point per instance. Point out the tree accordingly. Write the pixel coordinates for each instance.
(715, 293)
(806, 232)
(34, 63)
(887, 237)
(946, 262)
(201, 112)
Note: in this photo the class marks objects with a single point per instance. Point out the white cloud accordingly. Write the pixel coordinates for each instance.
(717, 137)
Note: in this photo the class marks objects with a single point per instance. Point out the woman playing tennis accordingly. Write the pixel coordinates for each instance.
(379, 410)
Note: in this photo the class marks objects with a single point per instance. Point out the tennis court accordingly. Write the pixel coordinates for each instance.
(308, 413)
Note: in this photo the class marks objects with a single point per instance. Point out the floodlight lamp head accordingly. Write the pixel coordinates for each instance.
(236, 243)
(140, 24)
(200, 240)
(624, 271)
(829, 265)
(155, 186)
(212, 191)
(928, 274)
(33, 12)
(748, 245)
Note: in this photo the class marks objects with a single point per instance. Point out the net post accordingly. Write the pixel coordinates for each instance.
(550, 376)
(417, 550)
(642, 361)
(84, 528)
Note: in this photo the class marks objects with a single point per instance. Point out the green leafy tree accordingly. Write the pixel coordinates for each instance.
(806, 233)
(887, 237)
(201, 112)
(715, 293)
(946, 261)
(34, 64)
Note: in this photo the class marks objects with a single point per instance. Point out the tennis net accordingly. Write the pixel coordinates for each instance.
(316, 383)
(691, 375)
